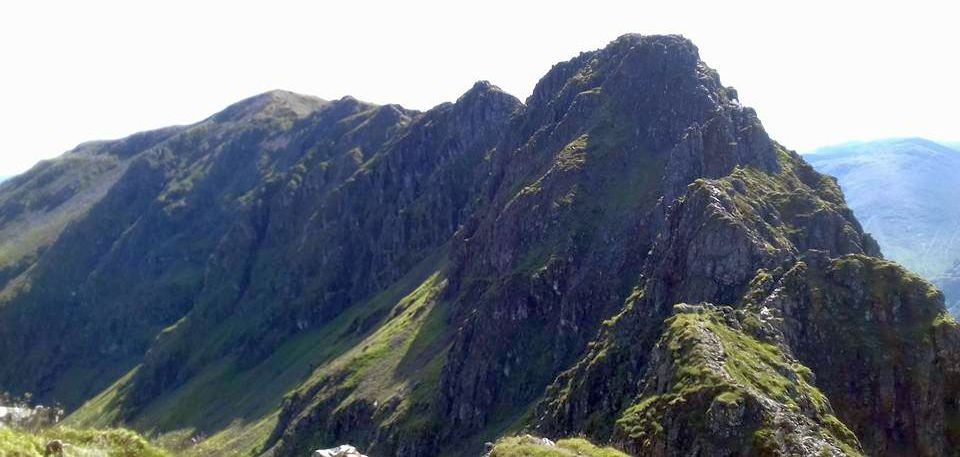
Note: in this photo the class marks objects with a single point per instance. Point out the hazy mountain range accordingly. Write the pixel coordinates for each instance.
(625, 257)
(905, 193)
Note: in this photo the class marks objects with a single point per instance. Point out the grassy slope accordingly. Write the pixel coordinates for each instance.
(397, 364)
(528, 446)
(220, 405)
(114, 443)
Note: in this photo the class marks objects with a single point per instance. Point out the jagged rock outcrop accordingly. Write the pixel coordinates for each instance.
(715, 385)
(885, 351)
(562, 253)
(714, 240)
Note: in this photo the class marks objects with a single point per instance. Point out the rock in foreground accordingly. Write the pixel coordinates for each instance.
(344, 450)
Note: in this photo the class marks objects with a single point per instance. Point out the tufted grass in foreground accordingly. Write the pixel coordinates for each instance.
(111, 443)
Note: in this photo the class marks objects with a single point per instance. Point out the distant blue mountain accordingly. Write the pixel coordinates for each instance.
(906, 193)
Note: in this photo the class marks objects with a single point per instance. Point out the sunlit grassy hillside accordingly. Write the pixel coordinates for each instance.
(111, 443)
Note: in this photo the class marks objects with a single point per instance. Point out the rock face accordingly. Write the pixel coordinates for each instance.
(627, 257)
(892, 323)
(717, 383)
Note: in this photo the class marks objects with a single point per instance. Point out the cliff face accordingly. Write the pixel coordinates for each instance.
(626, 256)
(562, 253)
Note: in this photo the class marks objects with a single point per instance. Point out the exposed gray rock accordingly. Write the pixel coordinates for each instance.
(344, 450)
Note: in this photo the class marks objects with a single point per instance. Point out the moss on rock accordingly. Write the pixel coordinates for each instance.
(713, 387)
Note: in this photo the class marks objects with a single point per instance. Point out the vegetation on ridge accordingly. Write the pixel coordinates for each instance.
(722, 380)
(529, 446)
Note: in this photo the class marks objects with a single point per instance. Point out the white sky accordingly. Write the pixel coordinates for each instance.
(817, 72)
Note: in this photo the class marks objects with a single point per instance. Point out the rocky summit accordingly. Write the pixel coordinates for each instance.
(623, 263)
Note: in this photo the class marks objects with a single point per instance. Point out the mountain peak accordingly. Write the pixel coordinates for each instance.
(280, 103)
(482, 88)
(483, 85)
(486, 102)
(673, 40)
(628, 55)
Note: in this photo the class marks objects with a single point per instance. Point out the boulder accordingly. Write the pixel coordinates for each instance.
(344, 450)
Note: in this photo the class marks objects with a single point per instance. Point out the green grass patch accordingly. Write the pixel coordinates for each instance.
(529, 446)
(77, 443)
(218, 405)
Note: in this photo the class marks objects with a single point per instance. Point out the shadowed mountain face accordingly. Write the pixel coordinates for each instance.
(904, 192)
(626, 256)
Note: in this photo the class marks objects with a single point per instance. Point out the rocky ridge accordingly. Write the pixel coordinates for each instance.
(624, 252)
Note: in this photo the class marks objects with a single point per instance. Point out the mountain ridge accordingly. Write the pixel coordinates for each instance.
(279, 278)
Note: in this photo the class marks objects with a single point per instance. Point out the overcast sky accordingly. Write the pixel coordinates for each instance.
(817, 72)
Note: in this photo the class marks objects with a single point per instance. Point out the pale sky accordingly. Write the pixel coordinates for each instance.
(817, 72)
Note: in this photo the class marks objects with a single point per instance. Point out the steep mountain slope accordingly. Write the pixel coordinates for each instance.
(151, 226)
(626, 256)
(903, 191)
(36, 206)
